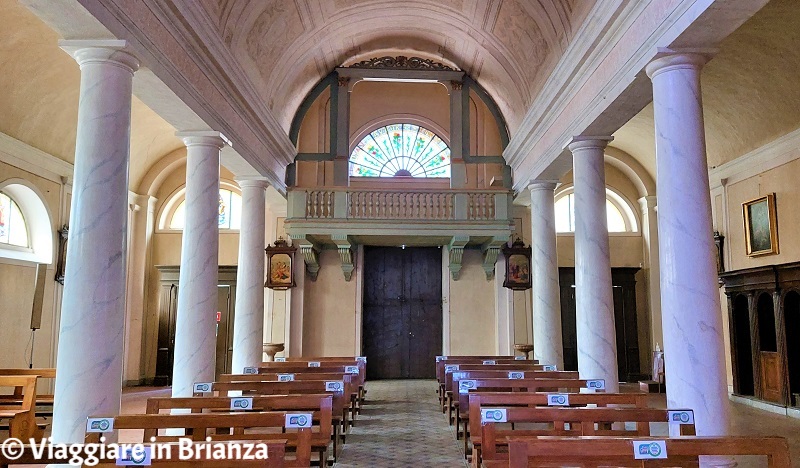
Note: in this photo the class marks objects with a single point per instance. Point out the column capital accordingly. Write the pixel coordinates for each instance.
(648, 203)
(584, 142)
(203, 138)
(252, 182)
(539, 184)
(109, 51)
(673, 59)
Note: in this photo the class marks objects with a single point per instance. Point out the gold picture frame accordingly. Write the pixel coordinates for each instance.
(760, 226)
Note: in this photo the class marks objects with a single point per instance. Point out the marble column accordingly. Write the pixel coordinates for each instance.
(653, 277)
(547, 337)
(91, 338)
(196, 322)
(248, 323)
(594, 302)
(690, 307)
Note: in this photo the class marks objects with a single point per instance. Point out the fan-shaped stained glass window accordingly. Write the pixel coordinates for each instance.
(401, 150)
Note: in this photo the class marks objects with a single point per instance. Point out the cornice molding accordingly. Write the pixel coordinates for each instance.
(24, 156)
(776, 153)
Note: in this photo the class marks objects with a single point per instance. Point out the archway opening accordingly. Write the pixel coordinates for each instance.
(744, 383)
(771, 371)
(791, 313)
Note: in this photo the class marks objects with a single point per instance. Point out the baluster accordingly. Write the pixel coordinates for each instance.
(329, 214)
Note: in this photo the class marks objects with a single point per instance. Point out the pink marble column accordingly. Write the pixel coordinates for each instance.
(691, 315)
(91, 339)
(594, 302)
(547, 336)
(196, 321)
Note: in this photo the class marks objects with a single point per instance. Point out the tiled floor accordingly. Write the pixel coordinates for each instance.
(402, 426)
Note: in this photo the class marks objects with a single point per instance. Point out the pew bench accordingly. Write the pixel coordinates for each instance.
(527, 452)
(320, 405)
(482, 400)
(216, 427)
(568, 421)
(17, 413)
(330, 366)
(443, 361)
(44, 401)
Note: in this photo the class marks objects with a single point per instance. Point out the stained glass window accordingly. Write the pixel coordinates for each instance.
(13, 229)
(401, 150)
(230, 212)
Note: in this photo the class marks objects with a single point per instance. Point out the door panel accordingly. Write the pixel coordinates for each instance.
(402, 311)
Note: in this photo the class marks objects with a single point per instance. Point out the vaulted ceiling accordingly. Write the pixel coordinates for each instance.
(508, 46)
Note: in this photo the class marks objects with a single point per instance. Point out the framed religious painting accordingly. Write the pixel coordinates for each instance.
(518, 266)
(280, 265)
(760, 226)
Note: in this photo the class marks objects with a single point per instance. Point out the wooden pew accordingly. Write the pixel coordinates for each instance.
(201, 427)
(566, 421)
(527, 452)
(297, 387)
(320, 405)
(481, 400)
(19, 411)
(471, 371)
(350, 390)
(44, 401)
(443, 361)
(323, 365)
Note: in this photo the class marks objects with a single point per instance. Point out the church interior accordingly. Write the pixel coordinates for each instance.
(495, 233)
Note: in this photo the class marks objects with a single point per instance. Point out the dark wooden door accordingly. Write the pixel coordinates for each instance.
(402, 312)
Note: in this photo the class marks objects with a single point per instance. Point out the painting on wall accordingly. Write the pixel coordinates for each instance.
(518, 266)
(280, 268)
(760, 226)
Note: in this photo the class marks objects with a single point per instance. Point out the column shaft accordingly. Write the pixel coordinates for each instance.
(91, 339)
(547, 337)
(690, 307)
(248, 323)
(195, 326)
(594, 303)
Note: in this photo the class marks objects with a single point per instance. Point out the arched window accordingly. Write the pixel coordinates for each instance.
(230, 211)
(401, 150)
(619, 214)
(13, 229)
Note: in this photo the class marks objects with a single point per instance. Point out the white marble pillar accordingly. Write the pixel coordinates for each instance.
(91, 339)
(248, 323)
(196, 321)
(692, 318)
(594, 302)
(653, 276)
(547, 337)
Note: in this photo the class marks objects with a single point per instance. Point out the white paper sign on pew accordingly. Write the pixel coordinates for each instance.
(494, 415)
(549, 368)
(351, 369)
(136, 455)
(250, 370)
(441, 358)
(520, 358)
(202, 387)
(280, 359)
(516, 375)
(489, 362)
(99, 425)
(241, 404)
(557, 399)
(649, 449)
(361, 359)
(336, 387)
(596, 385)
(450, 368)
(298, 421)
(313, 363)
(285, 377)
(680, 416)
(464, 386)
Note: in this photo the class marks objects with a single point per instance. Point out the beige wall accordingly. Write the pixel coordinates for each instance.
(329, 310)
(17, 282)
(472, 310)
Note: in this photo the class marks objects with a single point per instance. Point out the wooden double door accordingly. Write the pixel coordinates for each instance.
(402, 308)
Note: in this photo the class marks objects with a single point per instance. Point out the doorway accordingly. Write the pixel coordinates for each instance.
(744, 382)
(791, 314)
(402, 309)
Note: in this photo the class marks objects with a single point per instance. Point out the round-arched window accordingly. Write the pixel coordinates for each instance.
(619, 214)
(13, 229)
(230, 212)
(401, 150)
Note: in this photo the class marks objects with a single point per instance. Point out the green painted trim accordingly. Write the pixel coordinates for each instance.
(297, 121)
(502, 127)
